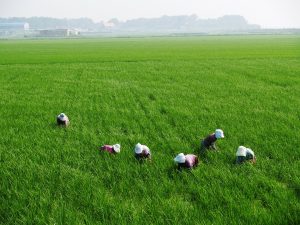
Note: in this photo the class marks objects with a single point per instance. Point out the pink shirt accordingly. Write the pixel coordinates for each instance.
(108, 148)
(145, 154)
(190, 161)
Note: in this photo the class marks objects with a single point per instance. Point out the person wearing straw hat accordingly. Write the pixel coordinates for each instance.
(210, 141)
(62, 120)
(188, 161)
(244, 154)
(142, 152)
(113, 149)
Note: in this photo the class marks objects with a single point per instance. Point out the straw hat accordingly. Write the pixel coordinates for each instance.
(180, 158)
(138, 148)
(117, 148)
(219, 133)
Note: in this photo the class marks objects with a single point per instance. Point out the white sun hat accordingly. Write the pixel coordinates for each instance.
(219, 133)
(249, 150)
(62, 117)
(117, 148)
(138, 148)
(241, 151)
(145, 147)
(180, 158)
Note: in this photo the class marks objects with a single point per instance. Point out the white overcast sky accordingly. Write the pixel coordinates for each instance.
(267, 13)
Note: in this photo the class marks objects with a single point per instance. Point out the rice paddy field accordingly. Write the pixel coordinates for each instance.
(167, 93)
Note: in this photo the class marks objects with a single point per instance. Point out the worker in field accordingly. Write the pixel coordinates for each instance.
(210, 141)
(62, 120)
(142, 152)
(244, 154)
(188, 161)
(113, 149)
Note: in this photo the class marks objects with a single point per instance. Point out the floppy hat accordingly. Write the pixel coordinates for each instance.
(146, 148)
(117, 148)
(138, 148)
(219, 133)
(62, 117)
(180, 158)
(241, 151)
(249, 150)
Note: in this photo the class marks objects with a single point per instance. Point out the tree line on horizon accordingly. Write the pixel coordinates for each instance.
(163, 23)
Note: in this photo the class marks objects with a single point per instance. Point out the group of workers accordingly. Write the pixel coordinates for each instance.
(189, 161)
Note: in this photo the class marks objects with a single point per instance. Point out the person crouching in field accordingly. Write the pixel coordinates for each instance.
(62, 120)
(244, 154)
(142, 152)
(113, 149)
(188, 161)
(210, 141)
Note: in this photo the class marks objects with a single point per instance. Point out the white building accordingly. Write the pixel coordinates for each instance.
(58, 33)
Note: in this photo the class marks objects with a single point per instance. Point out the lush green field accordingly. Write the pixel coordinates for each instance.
(167, 93)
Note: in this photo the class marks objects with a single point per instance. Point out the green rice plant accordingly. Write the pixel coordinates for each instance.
(167, 93)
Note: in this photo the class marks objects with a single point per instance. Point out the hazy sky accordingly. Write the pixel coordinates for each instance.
(268, 13)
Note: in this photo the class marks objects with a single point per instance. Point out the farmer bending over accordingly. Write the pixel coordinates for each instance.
(62, 119)
(111, 148)
(210, 141)
(188, 161)
(142, 152)
(244, 154)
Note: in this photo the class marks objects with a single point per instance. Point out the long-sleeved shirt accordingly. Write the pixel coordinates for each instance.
(108, 148)
(209, 140)
(62, 120)
(190, 161)
(145, 153)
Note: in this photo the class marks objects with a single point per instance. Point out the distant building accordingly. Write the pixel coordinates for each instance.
(14, 26)
(8, 29)
(109, 24)
(57, 33)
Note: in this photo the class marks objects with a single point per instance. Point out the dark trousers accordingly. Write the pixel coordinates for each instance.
(241, 159)
(204, 147)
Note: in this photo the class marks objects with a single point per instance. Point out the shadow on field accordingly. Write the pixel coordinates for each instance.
(53, 125)
(297, 191)
(56, 127)
(195, 148)
(174, 173)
